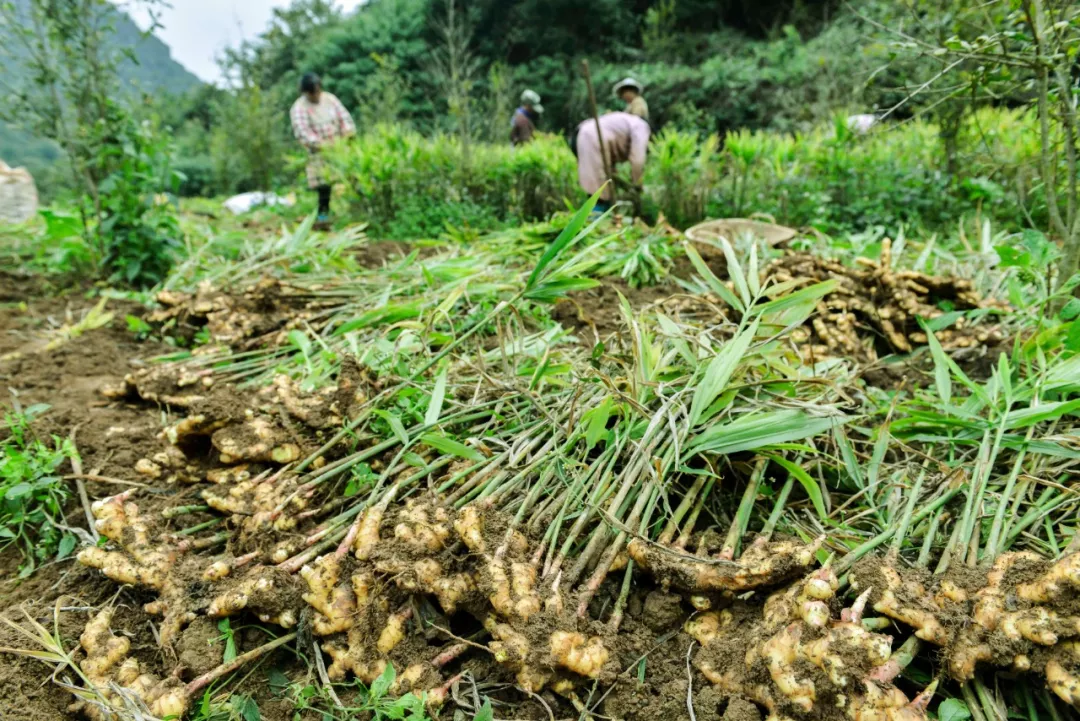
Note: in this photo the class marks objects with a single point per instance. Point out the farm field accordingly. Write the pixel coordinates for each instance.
(581, 467)
(462, 360)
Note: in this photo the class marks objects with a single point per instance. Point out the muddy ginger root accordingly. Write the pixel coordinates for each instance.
(112, 674)
(806, 600)
(512, 649)
(367, 534)
(578, 653)
(140, 563)
(810, 662)
(887, 703)
(256, 439)
(423, 528)
(428, 576)
(998, 628)
(1063, 672)
(513, 594)
(909, 601)
(393, 632)
(470, 528)
(262, 591)
(355, 653)
(1061, 578)
(334, 603)
(763, 564)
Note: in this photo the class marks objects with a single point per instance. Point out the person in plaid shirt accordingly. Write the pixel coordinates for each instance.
(318, 119)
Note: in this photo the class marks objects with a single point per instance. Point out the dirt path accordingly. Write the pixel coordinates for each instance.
(110, 437)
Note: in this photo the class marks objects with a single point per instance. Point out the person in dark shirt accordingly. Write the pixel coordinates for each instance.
(523, 125)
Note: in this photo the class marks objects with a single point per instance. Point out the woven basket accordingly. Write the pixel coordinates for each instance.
(731, 228)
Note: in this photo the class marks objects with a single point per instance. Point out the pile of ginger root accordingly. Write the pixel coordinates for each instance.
(786, 645)
(873, 301)
(453, 558)
(1022, 613)
(798, 658)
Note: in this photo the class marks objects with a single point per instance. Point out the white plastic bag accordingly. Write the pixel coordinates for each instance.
(18, 195)
(246, 202)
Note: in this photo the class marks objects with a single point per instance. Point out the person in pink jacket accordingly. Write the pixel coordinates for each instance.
(626, 138)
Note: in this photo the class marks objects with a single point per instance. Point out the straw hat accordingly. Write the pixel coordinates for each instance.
(628, 83)
(531, 97)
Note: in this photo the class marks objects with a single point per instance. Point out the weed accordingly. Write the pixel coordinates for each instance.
(236, 707)
(32, 493)
(375, 703)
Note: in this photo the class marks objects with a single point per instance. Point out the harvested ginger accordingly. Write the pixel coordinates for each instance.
(763, 564)
(113, 674)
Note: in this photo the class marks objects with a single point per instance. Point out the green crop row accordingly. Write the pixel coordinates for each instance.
(408, 186)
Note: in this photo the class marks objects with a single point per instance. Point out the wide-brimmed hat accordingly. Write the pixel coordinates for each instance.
(628, 83)
(531, 97)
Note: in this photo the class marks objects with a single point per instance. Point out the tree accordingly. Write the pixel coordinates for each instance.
(1028, 49)
(70, 94)
(455, 68)
(277, 54)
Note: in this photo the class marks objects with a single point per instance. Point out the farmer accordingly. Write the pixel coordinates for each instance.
(523, 125)
(318, 119)
(626, 137)
(629, 90)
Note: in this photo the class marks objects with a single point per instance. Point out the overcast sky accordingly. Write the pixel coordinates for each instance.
(198, 30)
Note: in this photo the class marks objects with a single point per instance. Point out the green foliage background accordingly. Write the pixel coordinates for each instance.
(707, 66)
(150, 70)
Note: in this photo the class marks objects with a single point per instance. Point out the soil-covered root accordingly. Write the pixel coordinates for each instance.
(1023, 616)
(467, 559)
(763, 564)
(260, 314)
(536, 663)
(904, 596)
(259, 504)
(873, 301)
(1063, 672)
(271, 594)
(171, 384)
(365, 650)
(258, 438)
(1017, 612)
(337, 602)
(114, 675)
(141, 562)
(800, 661)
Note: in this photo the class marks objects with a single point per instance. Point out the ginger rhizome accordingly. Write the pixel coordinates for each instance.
(763, 564)
(1021, 616)
(798, 659)
(876, 296)
(113, 674)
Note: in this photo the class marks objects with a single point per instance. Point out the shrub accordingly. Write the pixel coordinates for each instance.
(404, 184)
(828, 177)
(138, 231)
(683, 171)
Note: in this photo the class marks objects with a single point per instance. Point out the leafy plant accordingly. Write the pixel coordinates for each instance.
(408, 186)
(384, 707)
(32, 493)
(70, 95)
(139, 231)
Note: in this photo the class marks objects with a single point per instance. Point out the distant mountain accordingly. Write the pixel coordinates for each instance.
(153, 71)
